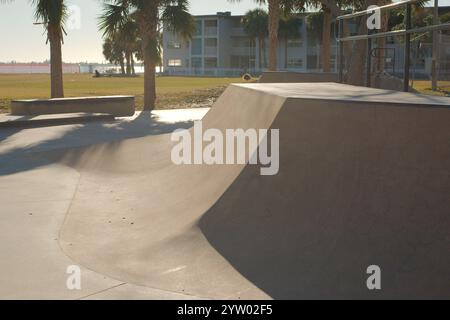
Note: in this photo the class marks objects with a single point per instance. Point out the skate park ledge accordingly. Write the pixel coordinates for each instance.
(119, 106)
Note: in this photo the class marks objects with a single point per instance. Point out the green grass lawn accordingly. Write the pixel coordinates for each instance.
(172, 92)
(425, 87)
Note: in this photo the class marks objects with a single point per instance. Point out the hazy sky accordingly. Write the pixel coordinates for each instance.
(20, 40)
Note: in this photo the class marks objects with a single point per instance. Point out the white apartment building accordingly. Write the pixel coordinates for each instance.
(220, 47)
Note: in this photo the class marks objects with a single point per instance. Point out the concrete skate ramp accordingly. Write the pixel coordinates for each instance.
(364, 179)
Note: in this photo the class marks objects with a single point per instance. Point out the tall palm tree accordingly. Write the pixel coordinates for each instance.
(255, 23)
(275, 10)
(289, 29)
(319, 27)
(149, 15)
(52, 15)
(128, 36)
(119, 26)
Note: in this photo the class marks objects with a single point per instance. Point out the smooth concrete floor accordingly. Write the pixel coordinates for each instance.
(35, 197)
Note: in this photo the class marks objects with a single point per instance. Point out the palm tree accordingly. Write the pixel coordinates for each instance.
(289, 29)
(128, 36)
(113, 52)
(148, 16)
(255, 24)
(52, 15)
(120, 27)
(275, 9)
(319, 27)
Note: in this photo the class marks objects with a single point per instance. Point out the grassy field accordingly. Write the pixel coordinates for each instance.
(425, 88)
(172, 92)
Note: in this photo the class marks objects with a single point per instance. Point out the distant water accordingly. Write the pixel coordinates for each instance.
(138, 69)
(27, 68)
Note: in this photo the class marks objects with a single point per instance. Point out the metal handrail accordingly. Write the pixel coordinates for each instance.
(401, 32)
(370, 11)
(369, 36)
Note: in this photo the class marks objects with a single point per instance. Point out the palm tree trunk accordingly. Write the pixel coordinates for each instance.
(122, 66)
(56, 71)
(326, 40)
(149, 82)
(128, 58)
(274, 21)
(356, 62)
(148, 28)
(133, 71)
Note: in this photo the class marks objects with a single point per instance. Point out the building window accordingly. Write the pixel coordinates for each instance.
(210, 23)
(295, 63)
(210, 27)
(174, 63)
(210, 47)
(196, 46)
(242, 42)
(198, 27)
(174, 45)
(242, 62)
(210, 62)
(196, 63)
(211, 42)
(295, 43)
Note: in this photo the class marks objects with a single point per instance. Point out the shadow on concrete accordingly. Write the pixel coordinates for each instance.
(351, 192)
(77, 137)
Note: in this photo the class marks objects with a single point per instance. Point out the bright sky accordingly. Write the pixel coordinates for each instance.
(20, 40)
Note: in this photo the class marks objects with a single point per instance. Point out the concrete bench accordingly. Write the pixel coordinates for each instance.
(119, 106)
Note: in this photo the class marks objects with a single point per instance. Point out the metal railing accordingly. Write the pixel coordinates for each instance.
(369, 36)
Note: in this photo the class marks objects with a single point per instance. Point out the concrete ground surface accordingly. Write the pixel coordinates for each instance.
(35, 197)
(10, 121)
(364, 179)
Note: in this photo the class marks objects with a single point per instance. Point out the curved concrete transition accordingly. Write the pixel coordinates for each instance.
(364, 180)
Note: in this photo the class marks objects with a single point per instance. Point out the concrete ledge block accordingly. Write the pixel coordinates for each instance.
(119, 106)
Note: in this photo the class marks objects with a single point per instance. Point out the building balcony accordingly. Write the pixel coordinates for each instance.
(210, 31)
(210, 51)
(238, 32)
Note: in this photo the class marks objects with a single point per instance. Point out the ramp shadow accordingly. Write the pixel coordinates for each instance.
(81, 137)
(353, 190)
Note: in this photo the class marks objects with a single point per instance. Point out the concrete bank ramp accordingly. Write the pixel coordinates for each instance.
(364, 180)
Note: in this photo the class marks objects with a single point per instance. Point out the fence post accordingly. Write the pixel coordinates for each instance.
(435, 48)
(341, 50)
(369, 60)
(407, 49)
